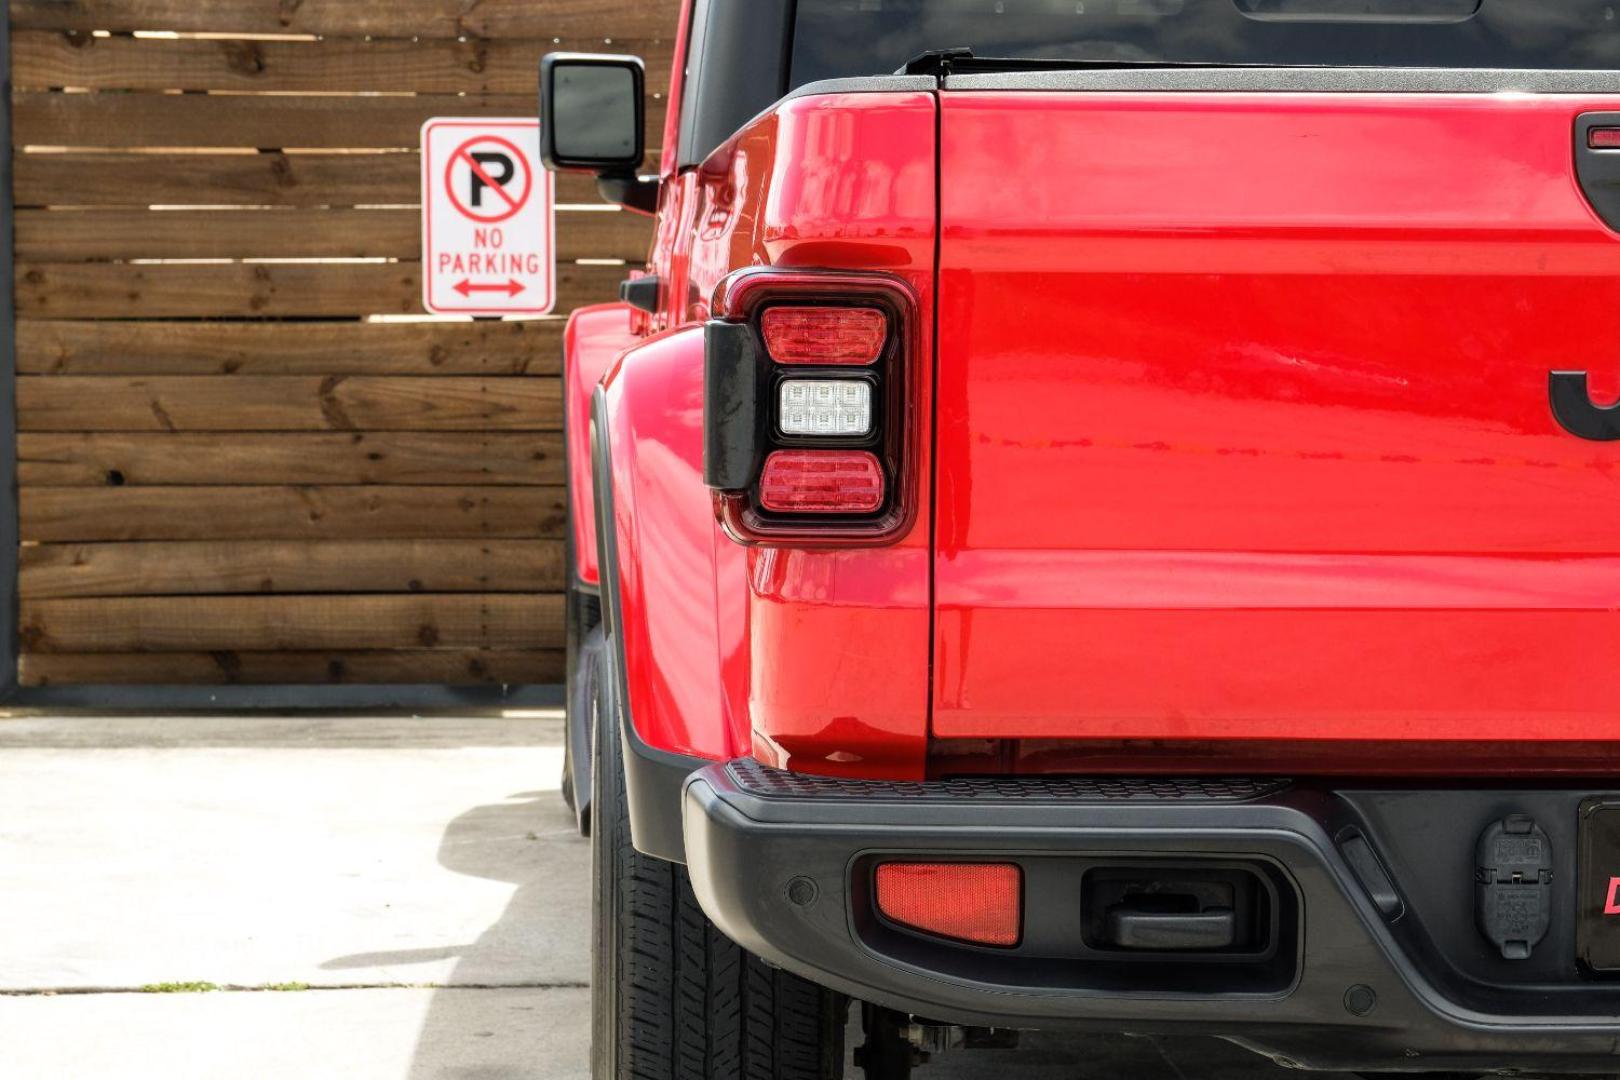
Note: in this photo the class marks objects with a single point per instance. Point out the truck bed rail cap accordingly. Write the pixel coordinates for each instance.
(1310, 80)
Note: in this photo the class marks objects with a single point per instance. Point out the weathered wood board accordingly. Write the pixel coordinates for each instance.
(244, 454)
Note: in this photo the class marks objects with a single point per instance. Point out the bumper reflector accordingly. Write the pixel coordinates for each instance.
(821, 482)
(980, 903)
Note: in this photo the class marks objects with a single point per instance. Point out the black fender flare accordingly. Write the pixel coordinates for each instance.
(653, 778)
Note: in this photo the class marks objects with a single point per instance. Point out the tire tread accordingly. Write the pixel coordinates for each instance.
(677, 998)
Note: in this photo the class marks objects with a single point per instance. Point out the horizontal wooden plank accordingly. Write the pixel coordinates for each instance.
(450, 667)
(294, 623)
(55, 571)
(101, 235)
(251, 120)
(43, 59)
(75, 235)
(245, 120)
(60, 515)
(75, 347)
(114, 459)
(239, 178)
(168, 290)
(584, 19)
(287, 403)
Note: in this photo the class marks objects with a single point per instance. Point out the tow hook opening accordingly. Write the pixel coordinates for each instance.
(1176, 909)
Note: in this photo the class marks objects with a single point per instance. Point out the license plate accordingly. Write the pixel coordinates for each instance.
(1597, 920)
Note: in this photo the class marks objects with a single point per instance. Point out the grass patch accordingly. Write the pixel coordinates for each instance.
(179, 988)
(288, 988)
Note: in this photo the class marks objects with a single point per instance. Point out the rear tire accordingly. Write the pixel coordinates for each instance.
(672, 998)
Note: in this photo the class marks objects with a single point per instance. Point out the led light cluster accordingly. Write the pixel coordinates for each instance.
(836, 407)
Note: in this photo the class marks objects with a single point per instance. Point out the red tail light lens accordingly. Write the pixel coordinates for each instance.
(821, 482)
(824, 335)
(977, 902)
(1603, 138)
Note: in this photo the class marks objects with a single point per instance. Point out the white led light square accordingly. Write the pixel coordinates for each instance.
(826, 407)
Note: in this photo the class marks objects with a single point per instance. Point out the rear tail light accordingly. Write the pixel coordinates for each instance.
(810, 410)
(824, 335)
(980, 903)
(821, 482)
(1603, 138)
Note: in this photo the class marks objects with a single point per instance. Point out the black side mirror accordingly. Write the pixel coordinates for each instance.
(593, 119)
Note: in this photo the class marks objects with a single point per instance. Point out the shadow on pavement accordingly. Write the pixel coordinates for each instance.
(528, 841)
(356, 961)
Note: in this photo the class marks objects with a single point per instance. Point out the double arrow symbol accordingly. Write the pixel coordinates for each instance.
(511, 287)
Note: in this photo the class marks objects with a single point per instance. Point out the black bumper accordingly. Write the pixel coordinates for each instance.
(1375, 965)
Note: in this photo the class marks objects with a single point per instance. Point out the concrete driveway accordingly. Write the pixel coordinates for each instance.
(332, 897)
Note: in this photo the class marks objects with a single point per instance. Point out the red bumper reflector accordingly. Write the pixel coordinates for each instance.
(977, 902)
(821, 482)
(824, 335)
(1603, 138)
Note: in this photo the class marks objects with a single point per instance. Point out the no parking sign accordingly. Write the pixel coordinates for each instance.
(487, 219)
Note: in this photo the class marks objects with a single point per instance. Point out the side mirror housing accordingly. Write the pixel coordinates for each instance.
(593, 119)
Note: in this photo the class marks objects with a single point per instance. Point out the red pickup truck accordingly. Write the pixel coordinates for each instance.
(1103, 515)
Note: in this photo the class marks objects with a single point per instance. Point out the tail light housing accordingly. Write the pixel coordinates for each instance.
(810, 427)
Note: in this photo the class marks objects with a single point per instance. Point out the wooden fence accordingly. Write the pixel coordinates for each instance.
(242, 456)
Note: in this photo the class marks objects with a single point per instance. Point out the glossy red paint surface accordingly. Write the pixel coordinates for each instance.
(1243, 425)
(812, 658)
(830, 650)
(597, 335)
(670, 143)
(668, 550)
(594, 338)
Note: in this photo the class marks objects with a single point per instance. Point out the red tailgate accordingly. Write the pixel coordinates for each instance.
(1244, 425)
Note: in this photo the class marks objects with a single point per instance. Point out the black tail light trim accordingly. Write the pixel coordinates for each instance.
(734, 371)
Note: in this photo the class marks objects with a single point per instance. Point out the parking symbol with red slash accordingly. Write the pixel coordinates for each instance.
(487, 219)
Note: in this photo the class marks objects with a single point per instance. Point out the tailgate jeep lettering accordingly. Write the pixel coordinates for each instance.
(1572, 406)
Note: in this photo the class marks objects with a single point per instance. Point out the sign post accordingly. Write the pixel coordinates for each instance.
(488, 223)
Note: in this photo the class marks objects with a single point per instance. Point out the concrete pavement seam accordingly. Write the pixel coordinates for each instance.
(226, 988)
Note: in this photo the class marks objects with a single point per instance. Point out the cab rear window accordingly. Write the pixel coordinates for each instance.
(843, 38)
